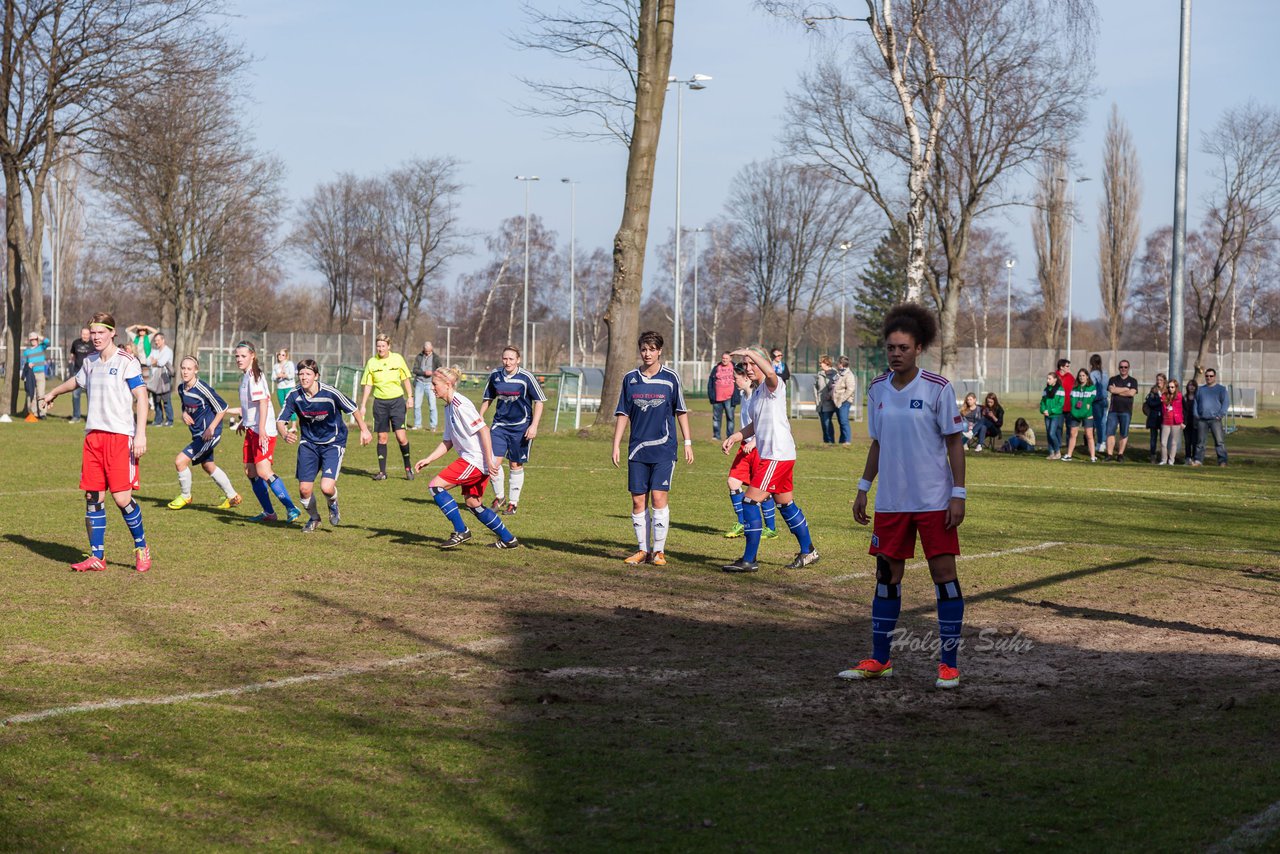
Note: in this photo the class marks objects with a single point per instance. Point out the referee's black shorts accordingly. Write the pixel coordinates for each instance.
(388, 414)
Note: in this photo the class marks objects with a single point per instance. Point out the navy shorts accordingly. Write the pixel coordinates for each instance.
(510, 443)
(650, 477)
(1119, 420)
(324, 460)
(1072, 421)
(201, 451)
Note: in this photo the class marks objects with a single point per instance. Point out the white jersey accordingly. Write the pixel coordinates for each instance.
(251, 392)
(911, 426)
(767, 410)
(744, 411)
(110, 384)
(462, 424)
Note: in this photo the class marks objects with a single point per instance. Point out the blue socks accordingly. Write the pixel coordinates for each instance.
(263, 493)
(491, 521)
(751, 521)
(735, 497)
(950, 619)
(449, 508)
(767, 507)
(95, 522)
(133, 518)
(277, 486)
(885, 608)
(796, 522)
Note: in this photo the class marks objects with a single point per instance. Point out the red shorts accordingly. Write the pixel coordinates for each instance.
(744, 463)
(108, 463)
(253, 452)
(894, 535)
(472, 479)
(772, 476)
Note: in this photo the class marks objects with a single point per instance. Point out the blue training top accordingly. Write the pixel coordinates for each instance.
(320, 415)
(651, 404)
(515, 395)
(203, 404)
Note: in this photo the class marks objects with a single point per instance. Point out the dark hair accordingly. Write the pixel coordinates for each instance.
(254, 367)
(1021, 426)
(310, 365)
(653, 339)
(1062, 363)
(991, 395)
(740, 368)
(911, 319)
(844, 361)
(1095, 362)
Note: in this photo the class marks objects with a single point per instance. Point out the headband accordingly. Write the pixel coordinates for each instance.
(105, 326)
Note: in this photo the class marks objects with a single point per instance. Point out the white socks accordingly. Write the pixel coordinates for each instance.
(332, 499)
(184, 482)
(517, 484)
(499, 484)
(661, 521)
(640, 522)
(310, 504)
(224, 483)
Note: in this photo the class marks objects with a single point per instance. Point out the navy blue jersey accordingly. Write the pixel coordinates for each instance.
(320, 418)
(651, 404)
(515, 396)
(203, 404)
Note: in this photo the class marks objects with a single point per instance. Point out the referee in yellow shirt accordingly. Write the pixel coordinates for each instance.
(388, 377)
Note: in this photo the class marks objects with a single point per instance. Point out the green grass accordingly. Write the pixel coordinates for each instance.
(559, 701)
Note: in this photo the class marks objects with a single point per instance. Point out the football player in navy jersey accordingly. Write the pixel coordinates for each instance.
(651, 403)
(515, 422)
(319, 409)
(202, 412)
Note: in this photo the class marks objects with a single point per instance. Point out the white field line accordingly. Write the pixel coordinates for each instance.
(286, 682)
(962, 558)
(1253, 835)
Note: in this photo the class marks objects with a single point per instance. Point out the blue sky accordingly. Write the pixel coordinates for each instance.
(338, 90)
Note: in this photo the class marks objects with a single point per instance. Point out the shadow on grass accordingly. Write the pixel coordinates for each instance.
(53, 551)
(1080, 612)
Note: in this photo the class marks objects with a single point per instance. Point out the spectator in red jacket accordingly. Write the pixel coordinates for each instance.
(1068, 381)
(1171, 421)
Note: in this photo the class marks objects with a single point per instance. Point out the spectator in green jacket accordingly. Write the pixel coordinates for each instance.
(1083, 395)
(1052, 401)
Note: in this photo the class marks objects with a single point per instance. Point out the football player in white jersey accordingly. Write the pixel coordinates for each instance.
(917, 449)
(114, 441)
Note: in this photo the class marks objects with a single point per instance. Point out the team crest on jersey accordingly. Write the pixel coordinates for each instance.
(917, 404)
(113, 371)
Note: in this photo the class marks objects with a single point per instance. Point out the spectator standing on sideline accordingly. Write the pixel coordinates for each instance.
(723, 394)
(1170, 423)
(780, 367)
(424, 367)
(284, 373)
(160, 383)
(80, 349)
(1068, 381)
(35, 356)
(1152, 407)
(1123, 389)
(1052, 401)
(845, 392)
(1080, 414)
(824, 393)
(990, 420)
(1212, 405)
(387, 377)
(1099, 379)
(140, 336)
(1190, 428)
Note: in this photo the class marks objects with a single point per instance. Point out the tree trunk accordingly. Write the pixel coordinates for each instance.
(622, 317)
(13, 226)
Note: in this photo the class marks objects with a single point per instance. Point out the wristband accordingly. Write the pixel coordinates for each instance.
(688, 443)
(864, 485)
(958, 492)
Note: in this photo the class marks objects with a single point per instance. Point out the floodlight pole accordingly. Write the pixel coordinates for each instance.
(1178, 272)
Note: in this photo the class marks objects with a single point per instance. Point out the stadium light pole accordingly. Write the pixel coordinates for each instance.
(1009, 264)
(1178, 262)
(695, 83)
(844, 269)
(533, 362)
(448, 341)
(524, 339)
(573, 227)
(696, 232)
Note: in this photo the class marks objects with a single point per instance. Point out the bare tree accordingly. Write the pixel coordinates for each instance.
(1118, 225)
(196, 205)
(64, 65)
(422, 231)
(332, 222)
(984, 296)
(65, 223)
(594, 273)
(1245, 147)
(631, 38)
(1051, 221)
(1008, 78)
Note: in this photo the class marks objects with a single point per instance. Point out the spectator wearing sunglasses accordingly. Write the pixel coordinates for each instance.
(1123, 388)
(1212, 404)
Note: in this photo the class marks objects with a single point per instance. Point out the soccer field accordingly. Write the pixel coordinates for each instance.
(360, 689)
